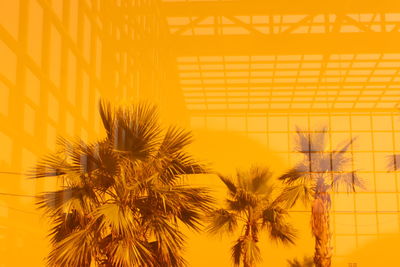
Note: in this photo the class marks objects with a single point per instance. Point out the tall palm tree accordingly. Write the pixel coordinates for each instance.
(251, 207)
(123, 197)
(312, 180)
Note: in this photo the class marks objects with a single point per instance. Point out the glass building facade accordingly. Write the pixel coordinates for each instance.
(243, 68)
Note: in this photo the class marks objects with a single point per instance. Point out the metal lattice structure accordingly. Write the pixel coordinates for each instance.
(284, 56)
(261, 69)
(250, 67)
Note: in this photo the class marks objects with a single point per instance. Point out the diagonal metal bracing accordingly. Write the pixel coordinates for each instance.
(249, 7)
(287, 44)
(279, 30)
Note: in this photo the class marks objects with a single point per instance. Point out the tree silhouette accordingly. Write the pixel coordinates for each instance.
(250, 206)
(314, 178)
(123, 197)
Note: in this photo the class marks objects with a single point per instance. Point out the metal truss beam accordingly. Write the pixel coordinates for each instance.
(261, 7)
(297, 111)
(330, 43)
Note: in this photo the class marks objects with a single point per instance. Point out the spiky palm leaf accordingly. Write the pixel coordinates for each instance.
(124, 197)
(251, 206)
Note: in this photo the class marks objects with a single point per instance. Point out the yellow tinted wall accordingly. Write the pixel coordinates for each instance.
(58, 59)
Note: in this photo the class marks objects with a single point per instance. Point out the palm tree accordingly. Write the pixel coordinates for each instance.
(250, 206)
(124, 197)
(312, 180)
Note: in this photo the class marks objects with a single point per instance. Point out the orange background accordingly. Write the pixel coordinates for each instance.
(240, 74)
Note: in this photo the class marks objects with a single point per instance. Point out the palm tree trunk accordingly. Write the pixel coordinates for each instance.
(247, 233)
(321, 230)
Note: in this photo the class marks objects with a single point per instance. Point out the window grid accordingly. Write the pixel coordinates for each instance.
(55, 62)
(353, 222)
(296, 81)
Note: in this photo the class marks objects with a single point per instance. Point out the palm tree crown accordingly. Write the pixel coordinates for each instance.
(311, 180)
(123, 197)
(321, 171)
(250, 206)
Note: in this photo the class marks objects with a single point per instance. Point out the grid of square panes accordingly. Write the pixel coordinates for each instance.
(340, 81)
(50, 71)
(53, 59)
(357, 218)
(53, 71)
(136, 65)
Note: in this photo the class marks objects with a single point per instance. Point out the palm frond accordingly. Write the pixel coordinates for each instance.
(261, 180)
(242, 200)
(84, 158)
(237, 252)
(291, 194)
(131, 252)
(190, 217)
(340, 161)
(251, 251)
(222, 221)
(319, 139)
(52, 165)
(136, 130)
(80, 199)
(295, 174)
(107, 117)
(76, 250)
(229, 184)
(119, 218)
(160, 260)
(308, 142)
(175, 139)
(195, 202)
(171, 160)
(64, 225)
(171, 167)
(170, 240)
(348, 180)
(188, 204)
(344, 146)
(273, 213)
(282, 232)
(275, 219)
(302, 141)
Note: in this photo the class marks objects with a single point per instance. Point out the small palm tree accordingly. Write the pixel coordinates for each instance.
(312, 180)
(123, 197)
(251, 208)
